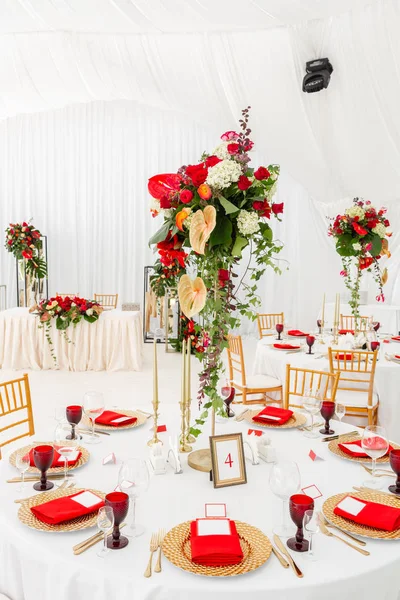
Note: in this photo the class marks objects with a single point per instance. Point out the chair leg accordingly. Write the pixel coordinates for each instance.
(371, 419)
(244, 397)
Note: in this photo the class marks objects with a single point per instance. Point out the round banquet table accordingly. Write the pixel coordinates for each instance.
(269, 361)
(42, 565)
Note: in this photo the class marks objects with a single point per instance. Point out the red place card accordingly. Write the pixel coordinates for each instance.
(161, 428)
(314, 456)
(256, 432)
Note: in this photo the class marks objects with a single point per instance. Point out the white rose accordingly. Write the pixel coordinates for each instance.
(89, 312)
(357, 246)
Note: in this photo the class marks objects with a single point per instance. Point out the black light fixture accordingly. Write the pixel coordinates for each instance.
(318, 75)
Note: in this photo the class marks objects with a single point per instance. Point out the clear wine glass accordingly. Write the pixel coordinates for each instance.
(312, 405)
(65, 446)
(311, 522)
(22, 463)
(284, 481)
(93, 405)
(340, 411)
(133, 479)
(374, 442)
(59, 413)
(105, 522)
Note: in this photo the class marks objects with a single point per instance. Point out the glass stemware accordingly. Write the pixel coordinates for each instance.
(340, 411)
(298, 505)
(311, 525)
(43, 458)
(327, 412)
(312, 405)
(74, 416)
(119, 502)
(93, 405)
(394, 457)
(133, 479)
(279, 329)
(228, 394)
(64, 445)
(374, 442)
(22, 463)
(105, 521)
(284, 480)
(310, 339)
(59, 413)
(376, 325)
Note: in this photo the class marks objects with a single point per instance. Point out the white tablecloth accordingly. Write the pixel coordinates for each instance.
(269, 361)
(387, 315)
(114, 342)
(37, 565)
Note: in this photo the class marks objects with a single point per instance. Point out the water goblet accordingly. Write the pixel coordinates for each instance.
(22, 463)
(298, 505)
(59, 413)
(64, 444)
(105, 521)
(279, 329)
(119, 502)
(374, 442)
(327, 412)
(394, 457)
(43, 458)
(312, 405)
(340, 411)
(74, 416)
(376, 325)
(284, 480)
(133, 479)
(310, 339)
(311, 525)
(93, 405)
(228, 394)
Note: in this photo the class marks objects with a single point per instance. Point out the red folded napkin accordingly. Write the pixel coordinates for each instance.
(215, 550)
(372, 514)
(286, 347)
(58, 460)
(360, 454)
(273, 415)
(396, 338)
(344, 331)
(341, 356)
(297, 332)
(66, 508)
(108, 416)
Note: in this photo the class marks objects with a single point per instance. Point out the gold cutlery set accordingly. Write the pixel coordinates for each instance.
(156, 541)
(92, 541)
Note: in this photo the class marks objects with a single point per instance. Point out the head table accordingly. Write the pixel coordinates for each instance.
(42, 565)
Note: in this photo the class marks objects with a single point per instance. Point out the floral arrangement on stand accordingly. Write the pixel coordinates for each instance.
(193, 333)
(212, 211)
(23, 240)
(360, 235)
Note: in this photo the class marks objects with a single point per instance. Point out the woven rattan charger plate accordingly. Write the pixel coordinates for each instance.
(85, 455)
(27, 517)
(296, 420)
(351, 526)
(255, 545)
(141, 418)
(333, 446)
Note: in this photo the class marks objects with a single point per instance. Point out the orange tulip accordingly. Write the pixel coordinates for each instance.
(192, 295)
(181, 216)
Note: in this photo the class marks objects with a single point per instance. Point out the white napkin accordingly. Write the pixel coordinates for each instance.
(86, 499)
(213, 527)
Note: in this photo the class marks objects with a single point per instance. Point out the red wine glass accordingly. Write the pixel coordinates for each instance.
(376, 325)
(375, 345)
(279, 329)
(310, 339)
(119, 502)
(228, 394)
(43, 458)
(74, 416)
(394, 457)
(298, 505)
(327, 411)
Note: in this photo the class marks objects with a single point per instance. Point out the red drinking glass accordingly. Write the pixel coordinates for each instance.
(228, 394)
(327, 412)
(375, 346)
(310, 339)
(394, 457)
(119, 502)
(279, 329)
(298, 504)
(74, 416)
(43, 459)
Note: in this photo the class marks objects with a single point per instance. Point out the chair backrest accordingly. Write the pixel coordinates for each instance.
(356, 368)
(15, 410)
(236, 359)
(349, 322)
(107, 301)
(267, 321)
(65, 295)
(298, 381)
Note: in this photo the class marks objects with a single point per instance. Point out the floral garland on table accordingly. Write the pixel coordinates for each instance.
(360, 235)
(212, 211)
(23, 240)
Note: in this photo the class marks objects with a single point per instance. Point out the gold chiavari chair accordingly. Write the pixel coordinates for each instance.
(266, 323)
(107, 301)
(348, 322)
(65, 295)
(15, 401)
(298, 381)
(356, 382)
(249, 386)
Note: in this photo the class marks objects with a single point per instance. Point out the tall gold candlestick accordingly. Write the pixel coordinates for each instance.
(189, 437)
(184, 446)
(155, 439)
(323, 313)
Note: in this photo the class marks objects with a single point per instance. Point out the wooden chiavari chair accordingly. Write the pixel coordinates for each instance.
(15, 396)
(298, 381)
(348, 322)
(249, 386)
(107, 301)
(65, 295)
(266, 323)
(356, 382)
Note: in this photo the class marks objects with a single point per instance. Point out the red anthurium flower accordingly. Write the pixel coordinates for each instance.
(244, 183)
(164, 185)
(277, 209)
(262, 173)
(27, 254)
(365, 262)
(360, 230)
(165, 202)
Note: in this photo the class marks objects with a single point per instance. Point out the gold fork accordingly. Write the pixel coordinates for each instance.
(161, 536)
(153, 548)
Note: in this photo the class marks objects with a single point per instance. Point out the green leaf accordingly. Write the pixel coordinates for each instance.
(222, 233)
(238, 246)
(160, 235)
(228, 206)
(61, 324)
(344, 246)
(376, 245)
(91, 319)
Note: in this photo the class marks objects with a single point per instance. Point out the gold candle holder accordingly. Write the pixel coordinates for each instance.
(189, 437)
(183, 445)
(155, 439)
(336, 320)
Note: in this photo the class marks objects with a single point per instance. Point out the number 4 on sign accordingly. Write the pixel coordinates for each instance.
(229, 460)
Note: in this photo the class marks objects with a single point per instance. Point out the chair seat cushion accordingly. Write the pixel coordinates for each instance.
(259, 382)
(356, 399)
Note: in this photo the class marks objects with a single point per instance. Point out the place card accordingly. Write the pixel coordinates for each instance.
(312, 491)
(314, 456)
(161, 428)
(256, 432)
(353, 448)
(215, 510)
(121, 419)
(72, 456)
(109, 459)
(126, 484)
(86, 499)
(352, 506)
(213, 527)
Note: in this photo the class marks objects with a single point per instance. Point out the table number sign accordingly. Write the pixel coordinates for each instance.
(227, 458)
(312, 491)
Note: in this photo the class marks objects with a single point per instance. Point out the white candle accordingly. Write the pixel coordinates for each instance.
(188, 386)
(323, 311)
(155, 374)
(183, 371)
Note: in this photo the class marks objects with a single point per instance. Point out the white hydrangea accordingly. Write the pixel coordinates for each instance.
(357, 246)
(247, 222)
(168, 212)
(355, 211)
(380, 229)
(222, 150)
(223, 174)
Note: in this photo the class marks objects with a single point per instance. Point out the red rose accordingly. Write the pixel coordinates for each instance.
(186, 196)
(372, 223)
(204, 191)
(233, 148)
(277, 209)
(165, 202)
(36, 234)
(244, 183)
(261, 173)
(24, 224)
(360, 230)
(197, 173)
(213, 160)
(27, 254)
(9, 242)
(386, 223)
(263, 208)
(223, 275)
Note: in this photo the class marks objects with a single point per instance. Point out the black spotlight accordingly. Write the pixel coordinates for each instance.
(318, 75)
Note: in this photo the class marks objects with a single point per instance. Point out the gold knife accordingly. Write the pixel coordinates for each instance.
(29, 479)
(279, 556)
(282, 548)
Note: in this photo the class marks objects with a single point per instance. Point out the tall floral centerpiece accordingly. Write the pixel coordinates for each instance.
(212, 211)
(361, 241)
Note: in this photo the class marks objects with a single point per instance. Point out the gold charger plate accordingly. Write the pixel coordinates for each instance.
(85, 455)
(333, 446)
(141, 418)
(296, 420)
(355, 528)
(255, 545)
(27, 517)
